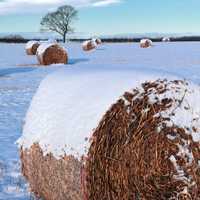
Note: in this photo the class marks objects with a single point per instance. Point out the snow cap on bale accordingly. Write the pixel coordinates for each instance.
(166, 39)
(147, 145)
(145, 43)
(51, 53)
(89, 45)
(31, 47)
(60, 121)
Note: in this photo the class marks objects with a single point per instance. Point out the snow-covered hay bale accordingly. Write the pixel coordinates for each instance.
(59, 124)
(146, 43)
(31, 47)
(89, 45)
(51, 53)
(166, 39)
(97, 40)
(147, 146)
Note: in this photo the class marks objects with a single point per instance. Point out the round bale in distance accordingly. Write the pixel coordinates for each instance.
(166, 39)
(89, 45)
(146, 43)
(97, 40)
(51, 53)
(31, 47)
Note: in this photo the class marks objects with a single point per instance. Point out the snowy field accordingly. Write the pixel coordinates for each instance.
(19, 80)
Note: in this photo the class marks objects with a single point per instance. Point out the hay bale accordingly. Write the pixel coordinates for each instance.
(59, 123)
(89, 45)
(31, 47)
(166, 39)
(147, 146)
(51, 53)
(97, 41)
(146, 43)
(51, 178)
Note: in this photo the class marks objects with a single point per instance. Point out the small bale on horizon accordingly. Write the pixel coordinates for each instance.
(146, 43)
(166, 39)
(89, 45)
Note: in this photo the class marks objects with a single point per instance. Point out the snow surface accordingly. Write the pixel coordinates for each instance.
(19, 80)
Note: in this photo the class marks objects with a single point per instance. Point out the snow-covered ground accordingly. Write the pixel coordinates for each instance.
(17, 86)
(19, 80)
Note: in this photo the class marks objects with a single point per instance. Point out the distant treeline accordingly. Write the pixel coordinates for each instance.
(109, 40)
(13, 40)
(172, 39)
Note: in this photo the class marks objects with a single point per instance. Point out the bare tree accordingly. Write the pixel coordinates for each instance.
(60, 21)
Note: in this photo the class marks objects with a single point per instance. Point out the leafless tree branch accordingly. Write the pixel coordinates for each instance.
(60, 21)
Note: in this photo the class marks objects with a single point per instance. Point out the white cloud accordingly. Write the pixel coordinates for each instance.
(32, 6)
(105, 2)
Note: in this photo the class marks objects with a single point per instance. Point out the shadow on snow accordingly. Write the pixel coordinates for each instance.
(9, 71)
(77, 60)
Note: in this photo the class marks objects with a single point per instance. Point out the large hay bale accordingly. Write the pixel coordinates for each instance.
(147, 146)
(146, 43)
(61, 118)
(89, 45)
(51, 53)
(31, 47)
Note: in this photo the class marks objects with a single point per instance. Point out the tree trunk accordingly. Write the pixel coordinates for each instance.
(64, 37)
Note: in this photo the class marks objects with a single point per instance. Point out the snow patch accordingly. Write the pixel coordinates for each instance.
(185, 109)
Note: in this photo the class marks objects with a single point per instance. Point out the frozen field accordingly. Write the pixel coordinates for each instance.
(19, 80)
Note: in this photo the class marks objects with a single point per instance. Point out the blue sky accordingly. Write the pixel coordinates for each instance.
(106, 16)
